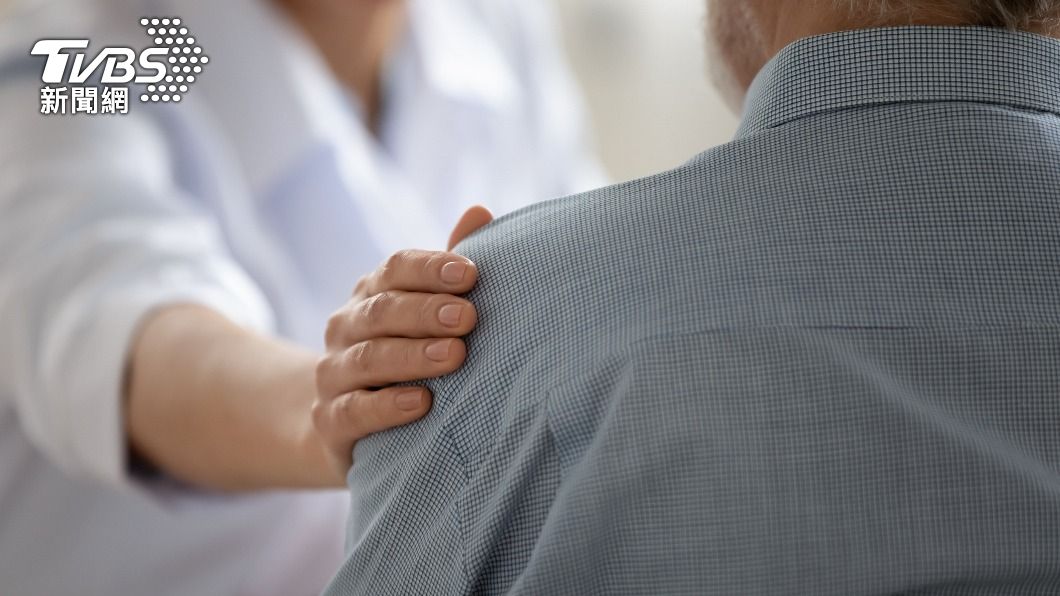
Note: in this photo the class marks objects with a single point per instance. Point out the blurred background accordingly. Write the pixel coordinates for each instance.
(647, 118)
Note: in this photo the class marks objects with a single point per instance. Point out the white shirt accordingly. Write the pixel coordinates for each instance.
(260, 195)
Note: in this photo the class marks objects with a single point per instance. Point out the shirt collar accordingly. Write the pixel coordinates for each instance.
(904, 64)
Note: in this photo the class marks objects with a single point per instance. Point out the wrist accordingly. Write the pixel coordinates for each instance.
(223, 408)
(311, 466)
(317, 469)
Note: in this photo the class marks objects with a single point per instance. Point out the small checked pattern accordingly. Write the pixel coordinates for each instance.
(821, 359)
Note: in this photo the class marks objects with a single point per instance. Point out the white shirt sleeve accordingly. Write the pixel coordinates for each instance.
(94, 235)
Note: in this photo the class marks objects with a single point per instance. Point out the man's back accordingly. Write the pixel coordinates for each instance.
(823, 358)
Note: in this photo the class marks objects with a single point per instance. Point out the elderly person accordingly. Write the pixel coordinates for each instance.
(820, 359)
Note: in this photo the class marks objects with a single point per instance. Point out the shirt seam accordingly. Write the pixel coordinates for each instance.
(768, 123)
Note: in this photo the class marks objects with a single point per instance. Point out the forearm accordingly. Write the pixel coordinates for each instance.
(223, 408)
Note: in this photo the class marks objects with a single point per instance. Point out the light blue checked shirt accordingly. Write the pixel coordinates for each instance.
(821, 359)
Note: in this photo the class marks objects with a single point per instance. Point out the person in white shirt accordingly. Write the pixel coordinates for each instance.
(167, 276)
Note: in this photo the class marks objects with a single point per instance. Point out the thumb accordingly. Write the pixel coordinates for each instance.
(472, 219)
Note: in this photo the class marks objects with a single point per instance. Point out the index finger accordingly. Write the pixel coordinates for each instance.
(421, 271)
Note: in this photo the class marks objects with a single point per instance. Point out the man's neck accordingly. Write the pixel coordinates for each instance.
(760, 29)
(794, 22)
(354, 38)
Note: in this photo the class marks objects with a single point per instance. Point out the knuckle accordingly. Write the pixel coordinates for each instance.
(373, 309)
(427, 317)
(385, 274)
(321, 374)
(409, 355)
(319, 415)
(333, 330)
(361, 287)
(393, 265)
(402, 256)
(343, 413)
(393, 261)
(349, 408)
(432, 265)
(360, 356)
(358, 412)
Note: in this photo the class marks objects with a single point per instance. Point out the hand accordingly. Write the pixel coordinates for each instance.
(403, 323)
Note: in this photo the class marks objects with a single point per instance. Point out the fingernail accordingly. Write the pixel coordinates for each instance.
(409, 400)
(449, 314)
(453, 273)
(439, 350)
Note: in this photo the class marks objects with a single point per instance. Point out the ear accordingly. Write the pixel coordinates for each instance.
(473, 219)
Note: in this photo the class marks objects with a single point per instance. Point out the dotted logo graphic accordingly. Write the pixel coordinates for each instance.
(185, 59)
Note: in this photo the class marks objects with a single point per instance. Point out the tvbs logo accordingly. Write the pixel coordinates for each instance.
(118, 63)
(167, 68)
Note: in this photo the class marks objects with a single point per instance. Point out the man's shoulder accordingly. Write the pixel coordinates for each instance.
(882, 216)
(619, 212)
(563, 280)
(889, 216)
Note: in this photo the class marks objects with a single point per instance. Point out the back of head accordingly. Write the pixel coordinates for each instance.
(743, 35)
(1041, 16)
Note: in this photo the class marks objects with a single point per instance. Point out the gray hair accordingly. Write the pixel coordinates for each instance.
(1007, 14)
